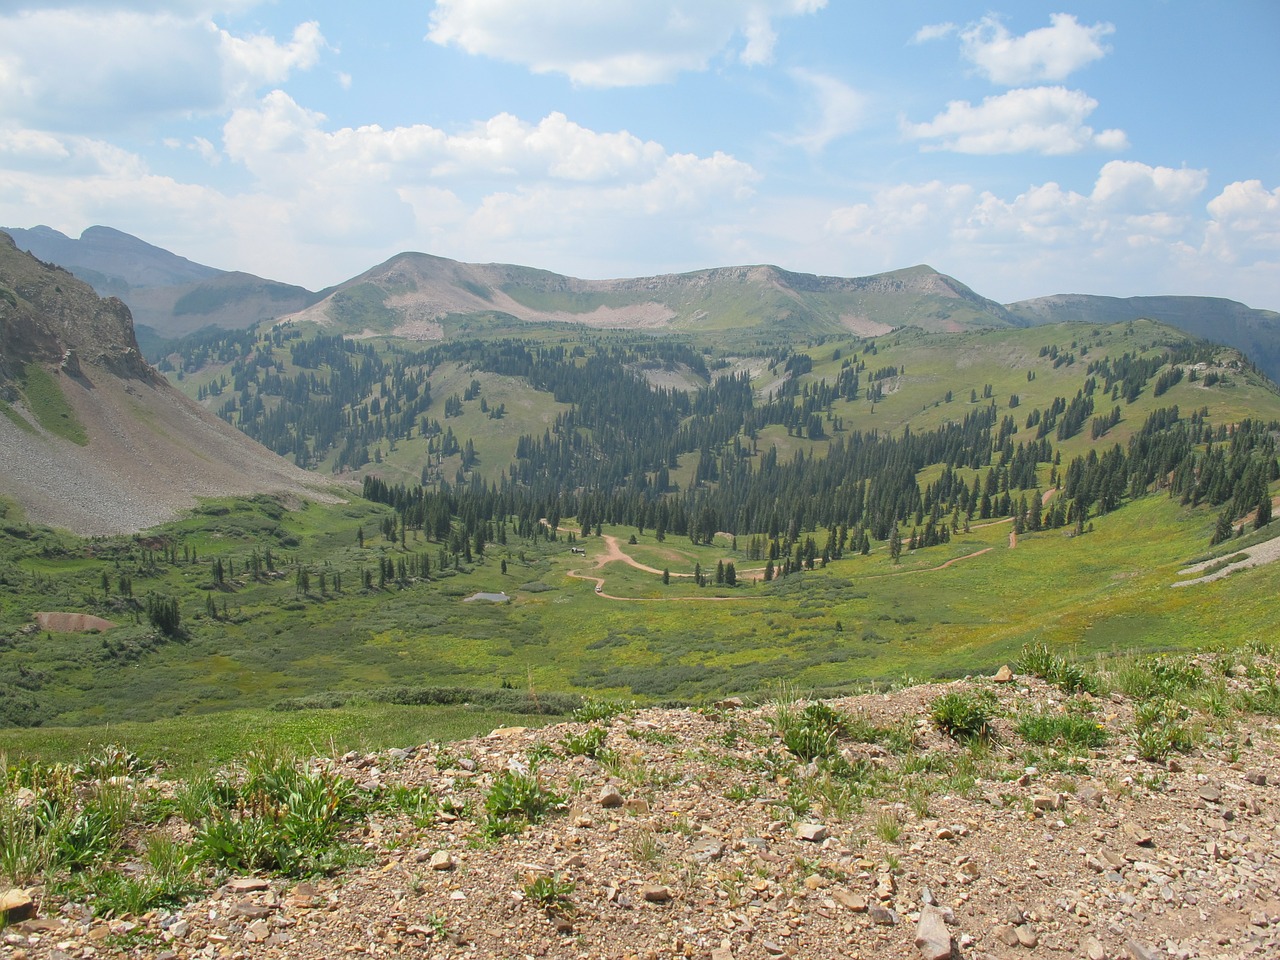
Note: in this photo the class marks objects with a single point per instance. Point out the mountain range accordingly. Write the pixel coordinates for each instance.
(424, 297)
(91, 437)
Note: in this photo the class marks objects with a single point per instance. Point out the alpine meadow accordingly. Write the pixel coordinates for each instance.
(736, 480)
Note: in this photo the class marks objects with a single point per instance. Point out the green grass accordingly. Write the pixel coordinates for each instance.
(196, 742)
(17, 419)
(49, 406)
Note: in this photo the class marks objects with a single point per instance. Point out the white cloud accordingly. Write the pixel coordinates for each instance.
(1139, 230)
(839, 110)
(1048, 120)
(621, 43)
(1245, 229)
(1136, 187)
(260, 60)
(933, 31)
(1049, 53)
(286, 145)
(131, 67)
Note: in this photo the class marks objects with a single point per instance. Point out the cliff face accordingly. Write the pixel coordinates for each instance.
(48, 316)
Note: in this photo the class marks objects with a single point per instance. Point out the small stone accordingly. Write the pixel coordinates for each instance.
(1094, 950)
(1137, 835)
(705, 851)
(246, 884)
(853, 901)
(1007, 935)
(1210, 793)
(637, 806)
(1013, 914)
(1026, 935)
(945, 833)
(812, 832)
(1004, 674)
(248, 910)
(179, 929)
(1140, 951)
(773, 950)
(882, 915)
(257, 931)
(610, 797)
(441, 860)
(1111, 858)
(656, 893)
(721, 953)
(932, 937)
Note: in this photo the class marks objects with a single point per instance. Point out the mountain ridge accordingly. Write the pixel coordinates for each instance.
(94, 439)
(413, 295)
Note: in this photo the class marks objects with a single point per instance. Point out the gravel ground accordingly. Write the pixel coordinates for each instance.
(693, 841)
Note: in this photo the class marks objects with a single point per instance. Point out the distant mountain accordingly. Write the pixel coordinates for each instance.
(91, 437)
(419, 296)
(412, 294)
(167, 293)
(1256, 333)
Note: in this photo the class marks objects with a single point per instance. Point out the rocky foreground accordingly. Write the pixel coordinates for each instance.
(700, 834)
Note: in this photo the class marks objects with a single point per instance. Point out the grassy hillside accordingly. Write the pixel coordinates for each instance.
(278, 601)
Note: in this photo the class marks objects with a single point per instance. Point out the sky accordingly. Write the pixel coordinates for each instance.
(1120, 148)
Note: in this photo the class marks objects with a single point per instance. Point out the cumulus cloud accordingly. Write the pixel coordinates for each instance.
(838, 110)
(1244, 231)
(503, 180)
(1137, 222)
(623, 43)
(260, 59)
(1048, 120)
(284, 144)
(1049, 53)
(132, 66)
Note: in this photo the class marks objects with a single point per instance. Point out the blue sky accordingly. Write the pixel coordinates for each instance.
(1120, 148)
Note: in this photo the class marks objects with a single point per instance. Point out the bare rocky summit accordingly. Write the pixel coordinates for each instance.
(701, 834)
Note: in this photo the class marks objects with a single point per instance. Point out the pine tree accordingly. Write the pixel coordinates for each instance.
(1264, 511)
(1221, 529)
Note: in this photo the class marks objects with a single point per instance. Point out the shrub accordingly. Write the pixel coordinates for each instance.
(550, 892)
(1039, 661)
(518, 798)
(1160, 727)
(281, 818)
(964, 716)
(1264, 698)
(589, 743)
(1157, 678)
(594, 710)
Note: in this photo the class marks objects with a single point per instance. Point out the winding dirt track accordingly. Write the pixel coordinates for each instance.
(613, 552)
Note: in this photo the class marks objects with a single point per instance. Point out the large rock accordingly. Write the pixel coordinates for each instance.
(16, 905)
(933, 939)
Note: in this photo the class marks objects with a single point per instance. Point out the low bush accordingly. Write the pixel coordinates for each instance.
(964, 716)
(516, 799)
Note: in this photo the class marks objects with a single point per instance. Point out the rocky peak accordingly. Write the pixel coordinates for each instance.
(48, 316)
